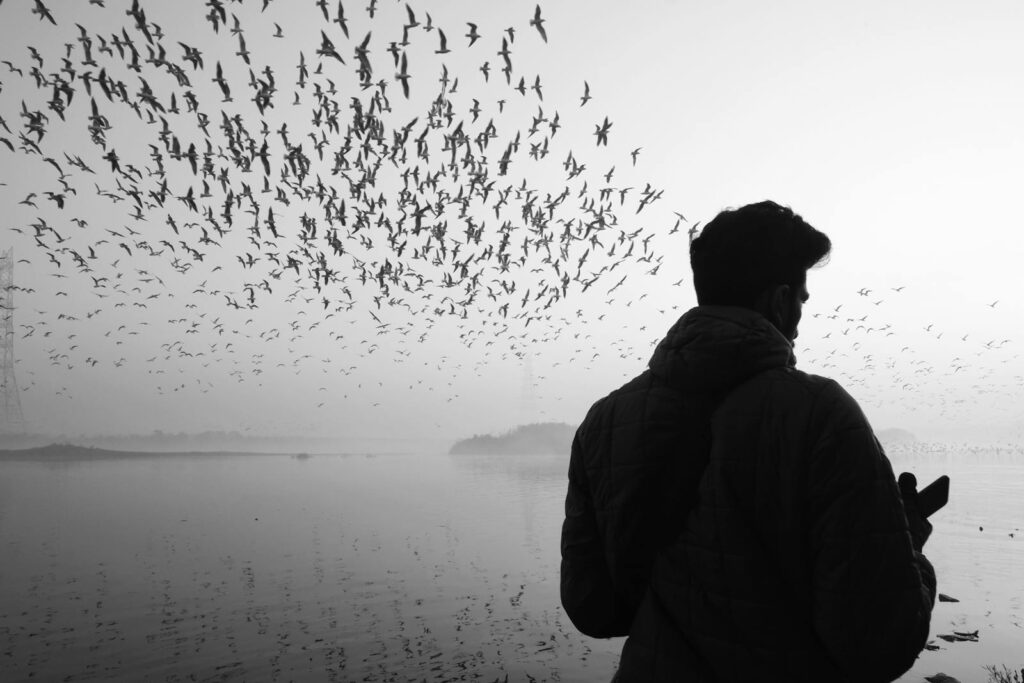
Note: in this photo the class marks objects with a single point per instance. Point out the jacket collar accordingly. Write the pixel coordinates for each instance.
(714, 348)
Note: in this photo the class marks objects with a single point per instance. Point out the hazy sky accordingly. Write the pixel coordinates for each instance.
(893, 127)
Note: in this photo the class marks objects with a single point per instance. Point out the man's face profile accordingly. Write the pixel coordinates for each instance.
(799, 296)
(786, 308)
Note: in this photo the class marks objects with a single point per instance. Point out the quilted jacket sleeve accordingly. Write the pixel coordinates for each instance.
(872, 593)
(587, 592)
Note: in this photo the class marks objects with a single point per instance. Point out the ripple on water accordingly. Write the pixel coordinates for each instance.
(387, 568)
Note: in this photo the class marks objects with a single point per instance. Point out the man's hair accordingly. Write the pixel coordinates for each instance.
(744, 251)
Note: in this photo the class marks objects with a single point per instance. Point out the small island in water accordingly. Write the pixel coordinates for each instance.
(61, 451)
(543, 438)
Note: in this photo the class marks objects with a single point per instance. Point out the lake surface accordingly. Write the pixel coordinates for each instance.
(379, 568)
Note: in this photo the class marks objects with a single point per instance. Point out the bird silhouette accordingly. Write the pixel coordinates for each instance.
(538, 23)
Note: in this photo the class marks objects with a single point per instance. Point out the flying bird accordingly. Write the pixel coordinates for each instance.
(412, 17)
(539, 24)
(43, 12)
(601, 131)
(219, 80)
(443, 50)
(327, 49)
(586, 94)
(403, 75)
(340, 19)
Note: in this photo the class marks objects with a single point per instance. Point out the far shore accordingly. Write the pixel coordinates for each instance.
(901, 455)
(62, 451)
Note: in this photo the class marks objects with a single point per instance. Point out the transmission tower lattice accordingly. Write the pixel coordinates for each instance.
(11, 419)
(527, 397)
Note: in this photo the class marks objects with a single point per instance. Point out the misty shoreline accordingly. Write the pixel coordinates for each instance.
(220, 442)
(64, 451)
(541, 438)
(513, 444)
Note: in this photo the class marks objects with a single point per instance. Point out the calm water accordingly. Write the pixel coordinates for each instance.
(376, 568)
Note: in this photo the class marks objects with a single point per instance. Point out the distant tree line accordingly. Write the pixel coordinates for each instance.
(541, 438)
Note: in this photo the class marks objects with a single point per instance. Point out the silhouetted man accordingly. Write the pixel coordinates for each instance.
(736, 517)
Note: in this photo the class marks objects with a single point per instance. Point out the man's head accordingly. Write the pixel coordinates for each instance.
(757, 257)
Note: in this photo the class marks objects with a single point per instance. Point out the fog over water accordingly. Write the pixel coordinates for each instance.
(397, 567)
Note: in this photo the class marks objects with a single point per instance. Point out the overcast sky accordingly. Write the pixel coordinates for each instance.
(892, 127)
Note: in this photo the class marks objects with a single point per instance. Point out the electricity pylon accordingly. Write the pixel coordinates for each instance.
(11, 419)
(527, 397)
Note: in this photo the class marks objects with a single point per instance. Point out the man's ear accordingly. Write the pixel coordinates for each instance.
(777, 306)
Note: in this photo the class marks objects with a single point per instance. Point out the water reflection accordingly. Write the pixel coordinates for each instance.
(343, 567)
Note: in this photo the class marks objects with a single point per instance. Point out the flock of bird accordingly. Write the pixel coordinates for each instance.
(362, 184)
(405, 177)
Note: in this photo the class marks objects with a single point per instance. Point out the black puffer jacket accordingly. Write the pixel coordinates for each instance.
(739, 521)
